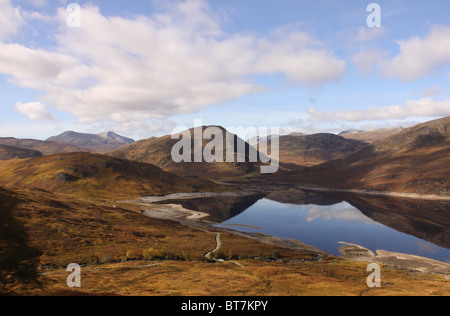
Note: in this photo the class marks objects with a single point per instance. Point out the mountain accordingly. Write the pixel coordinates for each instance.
(416, 160)
(297, 134)
(11, 152)
(371, 136)
(157, 151)
(88, 174)
(351, 132)
(44, 147)
(310, 150)
(103, 142)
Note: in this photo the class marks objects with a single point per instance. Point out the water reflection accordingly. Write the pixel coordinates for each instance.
(220, 208)
(323, 219)
(341, 211)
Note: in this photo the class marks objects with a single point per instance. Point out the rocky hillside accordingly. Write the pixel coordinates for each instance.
(11, 152)
(371, 136)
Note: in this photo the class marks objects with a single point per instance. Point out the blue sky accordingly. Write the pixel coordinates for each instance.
(143, 68)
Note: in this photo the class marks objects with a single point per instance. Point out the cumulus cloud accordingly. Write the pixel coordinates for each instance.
(35, 111)
(430, 91)
(420, 56)
(177, 61)
(425, 107)
(10, 19)
(366, 60)
(367, 34)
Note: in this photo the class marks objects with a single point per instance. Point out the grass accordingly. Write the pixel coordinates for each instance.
(256, 278)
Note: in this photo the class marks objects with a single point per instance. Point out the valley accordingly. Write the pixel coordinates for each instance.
(133, 219)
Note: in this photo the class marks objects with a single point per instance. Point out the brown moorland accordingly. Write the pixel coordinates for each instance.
(85, 174)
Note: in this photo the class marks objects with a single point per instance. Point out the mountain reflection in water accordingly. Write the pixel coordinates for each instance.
(321, 220)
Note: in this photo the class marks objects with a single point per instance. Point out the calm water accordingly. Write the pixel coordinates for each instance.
(324, 226)
(322, 220)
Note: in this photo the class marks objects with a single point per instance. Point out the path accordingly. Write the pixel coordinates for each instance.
(218, 245)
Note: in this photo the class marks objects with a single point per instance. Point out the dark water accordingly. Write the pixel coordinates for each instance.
(323, 220)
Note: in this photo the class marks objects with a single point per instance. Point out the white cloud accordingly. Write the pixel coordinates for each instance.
(35, 111)
(430, 91)
(366, 60)
(175, 62)
(420, 56)
(425, 107)
(367, 34)
(10, 19)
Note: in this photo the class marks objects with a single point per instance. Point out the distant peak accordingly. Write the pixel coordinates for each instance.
(351, 132)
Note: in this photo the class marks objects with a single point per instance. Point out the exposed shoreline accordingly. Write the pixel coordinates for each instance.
(395, 260)
(195, 219)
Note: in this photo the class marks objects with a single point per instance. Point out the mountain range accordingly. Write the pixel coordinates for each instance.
(97, 143)
(415, 160)
(44, 147)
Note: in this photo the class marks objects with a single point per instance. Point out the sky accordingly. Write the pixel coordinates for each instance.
(143, 68)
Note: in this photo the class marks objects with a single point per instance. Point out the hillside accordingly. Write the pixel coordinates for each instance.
(44, 147)
(416, 160)
(311, 150)
(95, 175)
(11, 152)
(371, 136)
(157, 151)
(98, 143)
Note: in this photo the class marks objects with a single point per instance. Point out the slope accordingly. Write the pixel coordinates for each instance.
(87, 174)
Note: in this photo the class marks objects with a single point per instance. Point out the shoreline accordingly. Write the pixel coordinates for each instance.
(415, 196)
(262, 187)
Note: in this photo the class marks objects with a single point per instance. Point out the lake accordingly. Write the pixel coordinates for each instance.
(323, 220)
